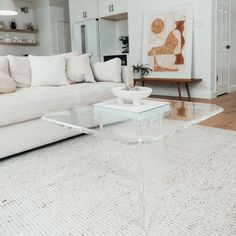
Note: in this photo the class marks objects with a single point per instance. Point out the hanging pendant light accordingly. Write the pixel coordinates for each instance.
(7, 8)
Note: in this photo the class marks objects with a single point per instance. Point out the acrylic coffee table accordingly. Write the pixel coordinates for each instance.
(142, 129)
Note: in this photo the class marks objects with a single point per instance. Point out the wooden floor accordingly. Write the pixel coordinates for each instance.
(225, 120)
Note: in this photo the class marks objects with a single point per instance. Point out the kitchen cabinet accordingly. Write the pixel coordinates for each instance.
(111, 7)
(86, 38)
(84, 9)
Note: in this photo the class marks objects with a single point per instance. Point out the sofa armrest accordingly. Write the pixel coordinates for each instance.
(127, 75)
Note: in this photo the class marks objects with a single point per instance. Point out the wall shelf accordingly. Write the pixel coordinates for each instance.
(118, 17)
(19, 44)
(19, 31)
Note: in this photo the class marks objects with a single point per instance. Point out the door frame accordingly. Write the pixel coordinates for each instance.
(216, 47)
(57, 32)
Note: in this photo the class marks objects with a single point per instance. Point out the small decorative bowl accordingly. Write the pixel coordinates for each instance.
(135, 96)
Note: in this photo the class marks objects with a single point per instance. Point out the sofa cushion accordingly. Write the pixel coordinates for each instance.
(33, 102)
(4, 65)
(20, 70)
(108, 71)
(48, 70)
(7, 84)
(79, 69)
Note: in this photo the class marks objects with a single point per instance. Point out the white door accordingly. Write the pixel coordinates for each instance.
(223, 46)
(63, 37)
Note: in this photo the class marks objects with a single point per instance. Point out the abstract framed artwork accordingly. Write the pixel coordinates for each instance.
(167, 42)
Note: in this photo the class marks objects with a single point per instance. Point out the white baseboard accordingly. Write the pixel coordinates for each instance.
(232, 88)
(213, 95)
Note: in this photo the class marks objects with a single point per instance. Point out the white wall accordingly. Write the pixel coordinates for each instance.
(202, 42)
(233, 47)
(59, 11)
(21, 19)
(42, 21)
(47, 13)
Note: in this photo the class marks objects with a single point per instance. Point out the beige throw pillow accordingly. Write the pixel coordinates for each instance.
(7, 84)
(4, 65)
(20, 70)
(79, 69)
(109, 71)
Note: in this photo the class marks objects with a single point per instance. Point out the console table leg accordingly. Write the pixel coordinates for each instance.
(179, 90)
(187, 87)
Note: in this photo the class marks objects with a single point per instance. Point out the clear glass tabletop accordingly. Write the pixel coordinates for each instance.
(141, 129)
(130, 128)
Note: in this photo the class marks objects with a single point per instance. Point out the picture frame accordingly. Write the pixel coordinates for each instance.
(168, 42)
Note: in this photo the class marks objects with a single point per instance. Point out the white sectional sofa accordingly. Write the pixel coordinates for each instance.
(22, 129)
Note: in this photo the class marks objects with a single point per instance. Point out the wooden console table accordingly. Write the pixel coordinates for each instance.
(178, 83)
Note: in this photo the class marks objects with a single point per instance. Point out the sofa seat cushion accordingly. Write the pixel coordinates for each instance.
(32, 103)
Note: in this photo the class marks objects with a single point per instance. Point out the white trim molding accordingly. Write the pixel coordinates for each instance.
(232, 88)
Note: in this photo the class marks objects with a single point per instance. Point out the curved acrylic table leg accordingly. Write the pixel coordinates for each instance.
(143, 209)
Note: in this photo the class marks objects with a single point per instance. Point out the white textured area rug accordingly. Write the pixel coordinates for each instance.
(77, 188)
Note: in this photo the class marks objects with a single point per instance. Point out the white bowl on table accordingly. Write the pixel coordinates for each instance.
(134, 96)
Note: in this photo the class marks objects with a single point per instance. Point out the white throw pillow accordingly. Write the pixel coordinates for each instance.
(20, 70)
(7, 84)
(48, 71)
(79, 69)
(4, 65)
(109, 71)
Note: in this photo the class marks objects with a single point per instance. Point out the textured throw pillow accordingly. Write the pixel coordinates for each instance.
(109, 71)
(7, 84)
(20, 70)
(79, 69)
(48, 71)
(4, 65)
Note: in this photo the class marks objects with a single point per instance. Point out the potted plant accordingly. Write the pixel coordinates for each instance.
(144, 70)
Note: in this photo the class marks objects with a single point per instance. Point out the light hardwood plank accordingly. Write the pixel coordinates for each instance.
(225, 120)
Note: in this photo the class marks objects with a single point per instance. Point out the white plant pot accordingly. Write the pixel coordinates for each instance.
(135, 97)
(137, 75)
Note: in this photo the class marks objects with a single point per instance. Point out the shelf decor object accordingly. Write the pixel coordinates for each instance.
(19, 31)
(7, 8)
(19, 43)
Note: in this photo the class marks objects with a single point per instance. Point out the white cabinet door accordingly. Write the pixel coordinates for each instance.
(111, 7)
(119, 6)
(104, 8)
(85, 10)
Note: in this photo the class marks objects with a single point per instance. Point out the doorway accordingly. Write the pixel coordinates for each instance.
(63, 37)
(223, 46)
